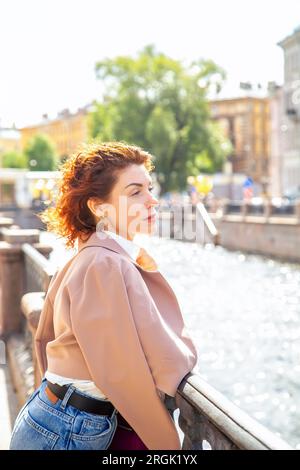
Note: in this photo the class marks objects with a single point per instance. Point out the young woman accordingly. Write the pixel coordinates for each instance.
(111, 340)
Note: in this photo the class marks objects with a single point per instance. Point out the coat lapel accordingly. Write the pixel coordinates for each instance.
(113, 245)
(110, 244)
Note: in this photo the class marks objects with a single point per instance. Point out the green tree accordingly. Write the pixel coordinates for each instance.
(40, 154)
(13, 159)
(160, 104)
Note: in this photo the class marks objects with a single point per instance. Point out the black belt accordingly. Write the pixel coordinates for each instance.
(90, 405)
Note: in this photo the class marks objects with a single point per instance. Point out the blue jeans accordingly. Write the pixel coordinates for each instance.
(43, 425)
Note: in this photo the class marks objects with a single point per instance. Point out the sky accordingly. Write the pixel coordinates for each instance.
(49, 47)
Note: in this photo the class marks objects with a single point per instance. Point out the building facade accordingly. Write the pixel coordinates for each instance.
(278, 127)
(10, 140)
(291, 118)
(66, 132)
(246, 122)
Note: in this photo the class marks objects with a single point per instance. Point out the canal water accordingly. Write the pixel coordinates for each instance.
(243, 312)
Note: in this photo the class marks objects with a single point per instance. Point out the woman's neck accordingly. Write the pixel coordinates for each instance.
(123, 234)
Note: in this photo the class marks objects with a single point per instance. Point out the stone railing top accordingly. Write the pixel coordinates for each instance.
(233, 422)
(6, 221)
(39, 260)
(19, 236)
(31, 306)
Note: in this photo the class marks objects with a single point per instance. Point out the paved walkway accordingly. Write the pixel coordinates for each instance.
(8, 407)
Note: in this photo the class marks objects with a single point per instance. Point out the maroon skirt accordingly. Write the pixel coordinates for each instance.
(125, 438)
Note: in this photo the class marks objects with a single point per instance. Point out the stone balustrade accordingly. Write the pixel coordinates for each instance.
(237, 226)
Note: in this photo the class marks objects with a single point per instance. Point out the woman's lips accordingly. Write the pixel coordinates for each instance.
(151, 217)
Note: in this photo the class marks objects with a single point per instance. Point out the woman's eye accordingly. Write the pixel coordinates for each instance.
(150, 189)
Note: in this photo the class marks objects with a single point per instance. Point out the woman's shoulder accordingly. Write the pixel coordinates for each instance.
(103, 273)
(102, 261)
(103, 257)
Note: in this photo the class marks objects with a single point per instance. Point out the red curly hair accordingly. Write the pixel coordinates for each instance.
(92, 172)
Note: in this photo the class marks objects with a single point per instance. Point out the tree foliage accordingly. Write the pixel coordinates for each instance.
(40, 154)
(13, 159)
(162, 105)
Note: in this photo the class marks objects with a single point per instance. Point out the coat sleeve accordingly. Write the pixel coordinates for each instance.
(104, 327)
(45, 331)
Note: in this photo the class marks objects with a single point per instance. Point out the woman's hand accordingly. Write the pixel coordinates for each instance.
(146, 261)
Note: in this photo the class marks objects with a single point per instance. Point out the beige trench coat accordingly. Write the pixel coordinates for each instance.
(107, 319)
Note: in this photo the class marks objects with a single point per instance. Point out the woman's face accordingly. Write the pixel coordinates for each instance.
(131, 206)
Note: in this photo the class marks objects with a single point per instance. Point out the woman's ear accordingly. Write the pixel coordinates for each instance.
(95, 207)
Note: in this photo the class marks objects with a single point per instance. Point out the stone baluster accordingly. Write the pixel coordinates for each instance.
(245, 209)
(12, 276)
(268, 208)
